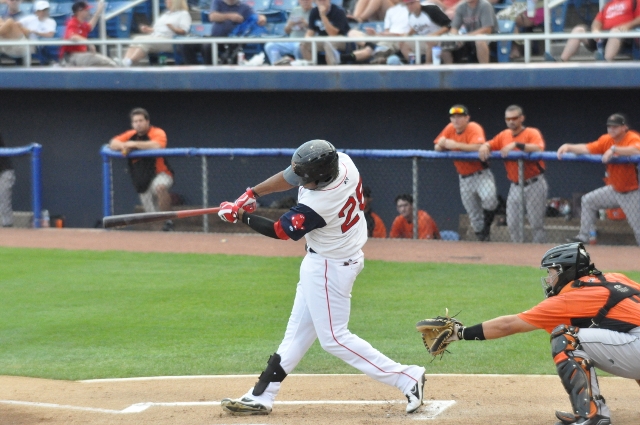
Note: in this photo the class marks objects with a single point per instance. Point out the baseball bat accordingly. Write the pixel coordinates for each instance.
(128, 219)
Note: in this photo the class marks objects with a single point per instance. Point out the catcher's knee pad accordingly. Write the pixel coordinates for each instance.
(273, 373)
(574, 371)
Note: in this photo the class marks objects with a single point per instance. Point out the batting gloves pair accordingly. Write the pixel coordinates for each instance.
(229, 211)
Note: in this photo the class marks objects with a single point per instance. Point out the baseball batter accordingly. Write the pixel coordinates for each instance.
(534, 188)
(594, 322)
(622, 179)
(477, 184)
(330, 216)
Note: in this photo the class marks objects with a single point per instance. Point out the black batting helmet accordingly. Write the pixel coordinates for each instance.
(573, 261)
(314, 161)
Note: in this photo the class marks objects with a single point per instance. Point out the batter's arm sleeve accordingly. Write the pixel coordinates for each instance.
(261, 225)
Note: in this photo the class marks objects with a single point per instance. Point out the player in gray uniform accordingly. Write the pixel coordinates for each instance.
(330, 216)
(594, 322)
(7, 179)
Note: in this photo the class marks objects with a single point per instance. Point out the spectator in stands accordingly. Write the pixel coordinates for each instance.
(396, 23)
(39, 25)
(622, 179)
(402, 226)
(7, 179)
(225, 15)
(152, 177)
(615, 16)
(176, 20)
(375, 225)
(517, 12)
(477, 184)
(13, 10)
(371, 10)
(426, 19)
(281, 53)
(472, 17)
(12, 30)
(326, 19)
(78, 29)
(524, 139)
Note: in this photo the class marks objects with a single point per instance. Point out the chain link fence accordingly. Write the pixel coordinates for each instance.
(20, 186)
(550, 210)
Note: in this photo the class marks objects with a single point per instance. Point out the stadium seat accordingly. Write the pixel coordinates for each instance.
(275, 30)
(119, 26)
(505, 26)
(204, 16)
(558, 11)
(62, 13)
(201, 30)
(499, 6)
(378, 26)
(284, 5)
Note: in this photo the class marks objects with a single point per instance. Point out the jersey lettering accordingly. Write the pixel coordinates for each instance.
(349, 208)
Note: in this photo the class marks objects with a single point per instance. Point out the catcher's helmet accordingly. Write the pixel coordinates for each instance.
(314, 161)
(573, 262)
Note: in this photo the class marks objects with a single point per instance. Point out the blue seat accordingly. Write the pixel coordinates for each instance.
(276, 30)
(119, 26)
(3, 8)
(27, 8)
(46, 54)
(284, 5)
(499, 6)
(449, 235)
(201, 30)
(558, 15)
(505, 26)
(378, 26)
(62, 13)
(204, 16)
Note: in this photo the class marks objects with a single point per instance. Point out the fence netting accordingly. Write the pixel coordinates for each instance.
(546, 209)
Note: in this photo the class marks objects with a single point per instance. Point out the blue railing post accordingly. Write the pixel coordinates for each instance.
(106, 184)
(36, 184)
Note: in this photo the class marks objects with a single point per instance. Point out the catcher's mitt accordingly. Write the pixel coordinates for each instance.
(439, 332)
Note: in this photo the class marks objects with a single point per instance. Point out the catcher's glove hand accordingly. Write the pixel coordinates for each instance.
(439, 332)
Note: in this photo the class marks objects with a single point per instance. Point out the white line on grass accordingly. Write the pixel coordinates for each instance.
(432, 407)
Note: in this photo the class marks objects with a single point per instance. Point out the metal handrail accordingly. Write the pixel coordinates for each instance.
(215, 41)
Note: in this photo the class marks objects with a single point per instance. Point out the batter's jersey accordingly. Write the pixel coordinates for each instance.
(332, 218)
(577, 306)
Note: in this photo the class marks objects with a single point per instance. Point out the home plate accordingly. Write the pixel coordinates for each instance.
(432, 409)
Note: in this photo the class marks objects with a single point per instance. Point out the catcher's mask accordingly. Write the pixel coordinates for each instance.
(314, 161)
(564, 264)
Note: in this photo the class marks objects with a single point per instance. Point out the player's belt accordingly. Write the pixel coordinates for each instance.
(477, 173)
(530, 181)
(309, 249)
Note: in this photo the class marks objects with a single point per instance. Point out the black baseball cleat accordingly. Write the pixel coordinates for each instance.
(415, 395)
(244, 407)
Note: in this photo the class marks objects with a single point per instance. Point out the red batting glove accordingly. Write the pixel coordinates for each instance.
(228, 212)
(247, 201)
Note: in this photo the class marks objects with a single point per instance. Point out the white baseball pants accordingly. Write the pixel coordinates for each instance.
(149, 198)
(7, 179)
(535, 205)
(478, 193)
(321, 310)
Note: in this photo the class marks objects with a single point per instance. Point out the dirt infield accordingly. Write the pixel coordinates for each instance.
(318, 399)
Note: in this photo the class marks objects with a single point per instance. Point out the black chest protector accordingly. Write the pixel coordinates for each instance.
(617, 293)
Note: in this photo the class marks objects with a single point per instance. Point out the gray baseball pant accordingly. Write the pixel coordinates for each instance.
(7, 179)
(604, 198)
(535, 204)
(478, 193)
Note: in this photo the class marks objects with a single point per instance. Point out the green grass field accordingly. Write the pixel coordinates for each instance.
(81, 315)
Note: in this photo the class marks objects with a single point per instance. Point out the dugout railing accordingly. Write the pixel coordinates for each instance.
(207, 176)
(33, 151)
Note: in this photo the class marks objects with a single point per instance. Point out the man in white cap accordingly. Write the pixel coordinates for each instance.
(39, 25)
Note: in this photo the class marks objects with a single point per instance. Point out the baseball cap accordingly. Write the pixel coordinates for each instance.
(458, 110)
(81, 5)
(617, 119)
(41, 5)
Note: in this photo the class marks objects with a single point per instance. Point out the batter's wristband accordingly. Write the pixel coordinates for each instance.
(473, 333)
(520, 146)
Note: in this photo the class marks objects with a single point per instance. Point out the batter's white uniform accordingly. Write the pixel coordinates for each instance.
(333, 223)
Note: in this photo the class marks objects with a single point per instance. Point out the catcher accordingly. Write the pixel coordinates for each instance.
(593, 319)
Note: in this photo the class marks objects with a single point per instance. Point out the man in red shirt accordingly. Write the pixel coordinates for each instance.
(78, 29)
(622, 179)
(615, 16)
(152, 177)
(402, 226)
(477, 184)
(530, 194)
(584, 335)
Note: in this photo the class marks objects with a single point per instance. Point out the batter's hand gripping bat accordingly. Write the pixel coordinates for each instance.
(127, 219)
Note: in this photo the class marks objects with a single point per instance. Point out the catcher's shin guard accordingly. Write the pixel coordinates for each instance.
(273, 373)
(575, 372)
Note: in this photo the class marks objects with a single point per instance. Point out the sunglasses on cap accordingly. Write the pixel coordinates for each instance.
(457, 111)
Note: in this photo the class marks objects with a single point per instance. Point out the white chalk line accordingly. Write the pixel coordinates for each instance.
(431, 409)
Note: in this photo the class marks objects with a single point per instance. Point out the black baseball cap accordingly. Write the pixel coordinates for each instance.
(80, 5)
(618, 119)
(458, 110)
